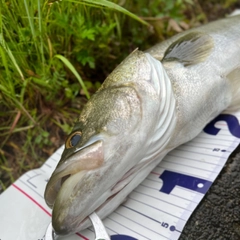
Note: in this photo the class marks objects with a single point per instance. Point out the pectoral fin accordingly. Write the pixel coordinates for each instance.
(190, 49)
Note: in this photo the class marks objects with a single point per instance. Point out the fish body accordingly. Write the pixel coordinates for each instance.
(151, 103)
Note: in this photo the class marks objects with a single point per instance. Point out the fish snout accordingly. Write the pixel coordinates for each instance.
(79, 196)
(89, 158)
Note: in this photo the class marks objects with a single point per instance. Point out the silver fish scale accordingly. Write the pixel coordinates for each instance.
(202, 91)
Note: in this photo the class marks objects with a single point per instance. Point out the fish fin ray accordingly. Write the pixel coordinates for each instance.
(190, 49)
(234, 79)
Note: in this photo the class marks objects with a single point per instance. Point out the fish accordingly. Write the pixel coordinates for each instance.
(152, 102)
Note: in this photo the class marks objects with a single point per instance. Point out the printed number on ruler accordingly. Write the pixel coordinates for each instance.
(232, 123)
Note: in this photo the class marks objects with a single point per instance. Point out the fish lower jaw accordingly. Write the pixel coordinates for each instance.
(130, 180)
(116, 197)
(100, 211)
(113, 198)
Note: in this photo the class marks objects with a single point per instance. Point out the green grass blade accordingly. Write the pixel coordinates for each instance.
(8, 51)
(4, 61)
(118, 26)
(30, 19)
(73, 70)
(41, 33)
(110, 5)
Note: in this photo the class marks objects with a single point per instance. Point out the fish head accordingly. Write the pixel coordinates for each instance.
(121, 129)
(95, 157)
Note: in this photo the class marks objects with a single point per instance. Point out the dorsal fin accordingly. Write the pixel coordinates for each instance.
(190, 49)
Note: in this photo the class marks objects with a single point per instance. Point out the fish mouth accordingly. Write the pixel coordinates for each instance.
(72, 224)
(63, 186)
(86, 159)
(74, 181)
(116, 195)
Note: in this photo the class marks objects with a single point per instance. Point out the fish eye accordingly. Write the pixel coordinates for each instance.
(73, 139)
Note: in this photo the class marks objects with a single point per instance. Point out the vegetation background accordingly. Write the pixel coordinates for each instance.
(55, 54)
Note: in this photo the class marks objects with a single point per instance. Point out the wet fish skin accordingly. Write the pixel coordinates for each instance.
(151, 103)
(211, 85)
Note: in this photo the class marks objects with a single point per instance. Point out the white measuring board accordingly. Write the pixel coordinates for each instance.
(157, 209)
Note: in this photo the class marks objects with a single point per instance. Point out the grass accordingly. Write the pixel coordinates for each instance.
(45, 47)
(54, 56)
